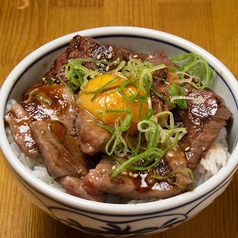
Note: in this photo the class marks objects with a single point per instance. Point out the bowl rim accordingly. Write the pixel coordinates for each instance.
(107, 208)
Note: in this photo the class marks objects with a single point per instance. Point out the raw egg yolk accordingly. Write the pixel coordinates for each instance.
(111, 100)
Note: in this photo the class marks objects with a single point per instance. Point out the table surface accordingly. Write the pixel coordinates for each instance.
(26, 25)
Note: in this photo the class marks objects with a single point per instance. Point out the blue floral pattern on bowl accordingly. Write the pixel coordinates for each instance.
(109, 225)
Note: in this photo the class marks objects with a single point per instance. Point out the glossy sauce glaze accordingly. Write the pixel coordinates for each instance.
(47, 102)
(144, 182)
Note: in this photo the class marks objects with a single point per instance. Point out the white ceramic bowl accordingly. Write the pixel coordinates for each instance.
(129, 219)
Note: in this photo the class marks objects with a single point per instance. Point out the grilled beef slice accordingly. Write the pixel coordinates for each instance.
(53, 102)
(74, 186)
(57, 159)
(162, 87)
(92, 138)
(140, 186)
(202, 121)
(18, 120)
(80, 47)
(159, 57)
(60, 163)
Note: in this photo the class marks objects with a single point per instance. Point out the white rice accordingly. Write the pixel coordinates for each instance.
(214, 160)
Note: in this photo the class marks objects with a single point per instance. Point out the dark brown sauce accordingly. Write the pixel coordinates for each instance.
(141, 184)
(50, 98)
(144, 183)
(58, 129)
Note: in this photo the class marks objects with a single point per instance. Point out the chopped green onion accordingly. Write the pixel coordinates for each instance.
(143, 155)
(123, 86)
(51, 81)
(40, 97)
(162, 97)
(176, 90)
(195, 100)
(119, 146)
(191, 66)
(105, 86)
(172, 174)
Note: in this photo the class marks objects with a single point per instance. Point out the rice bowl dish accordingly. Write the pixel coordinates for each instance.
(107, 120)
(209, 168)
